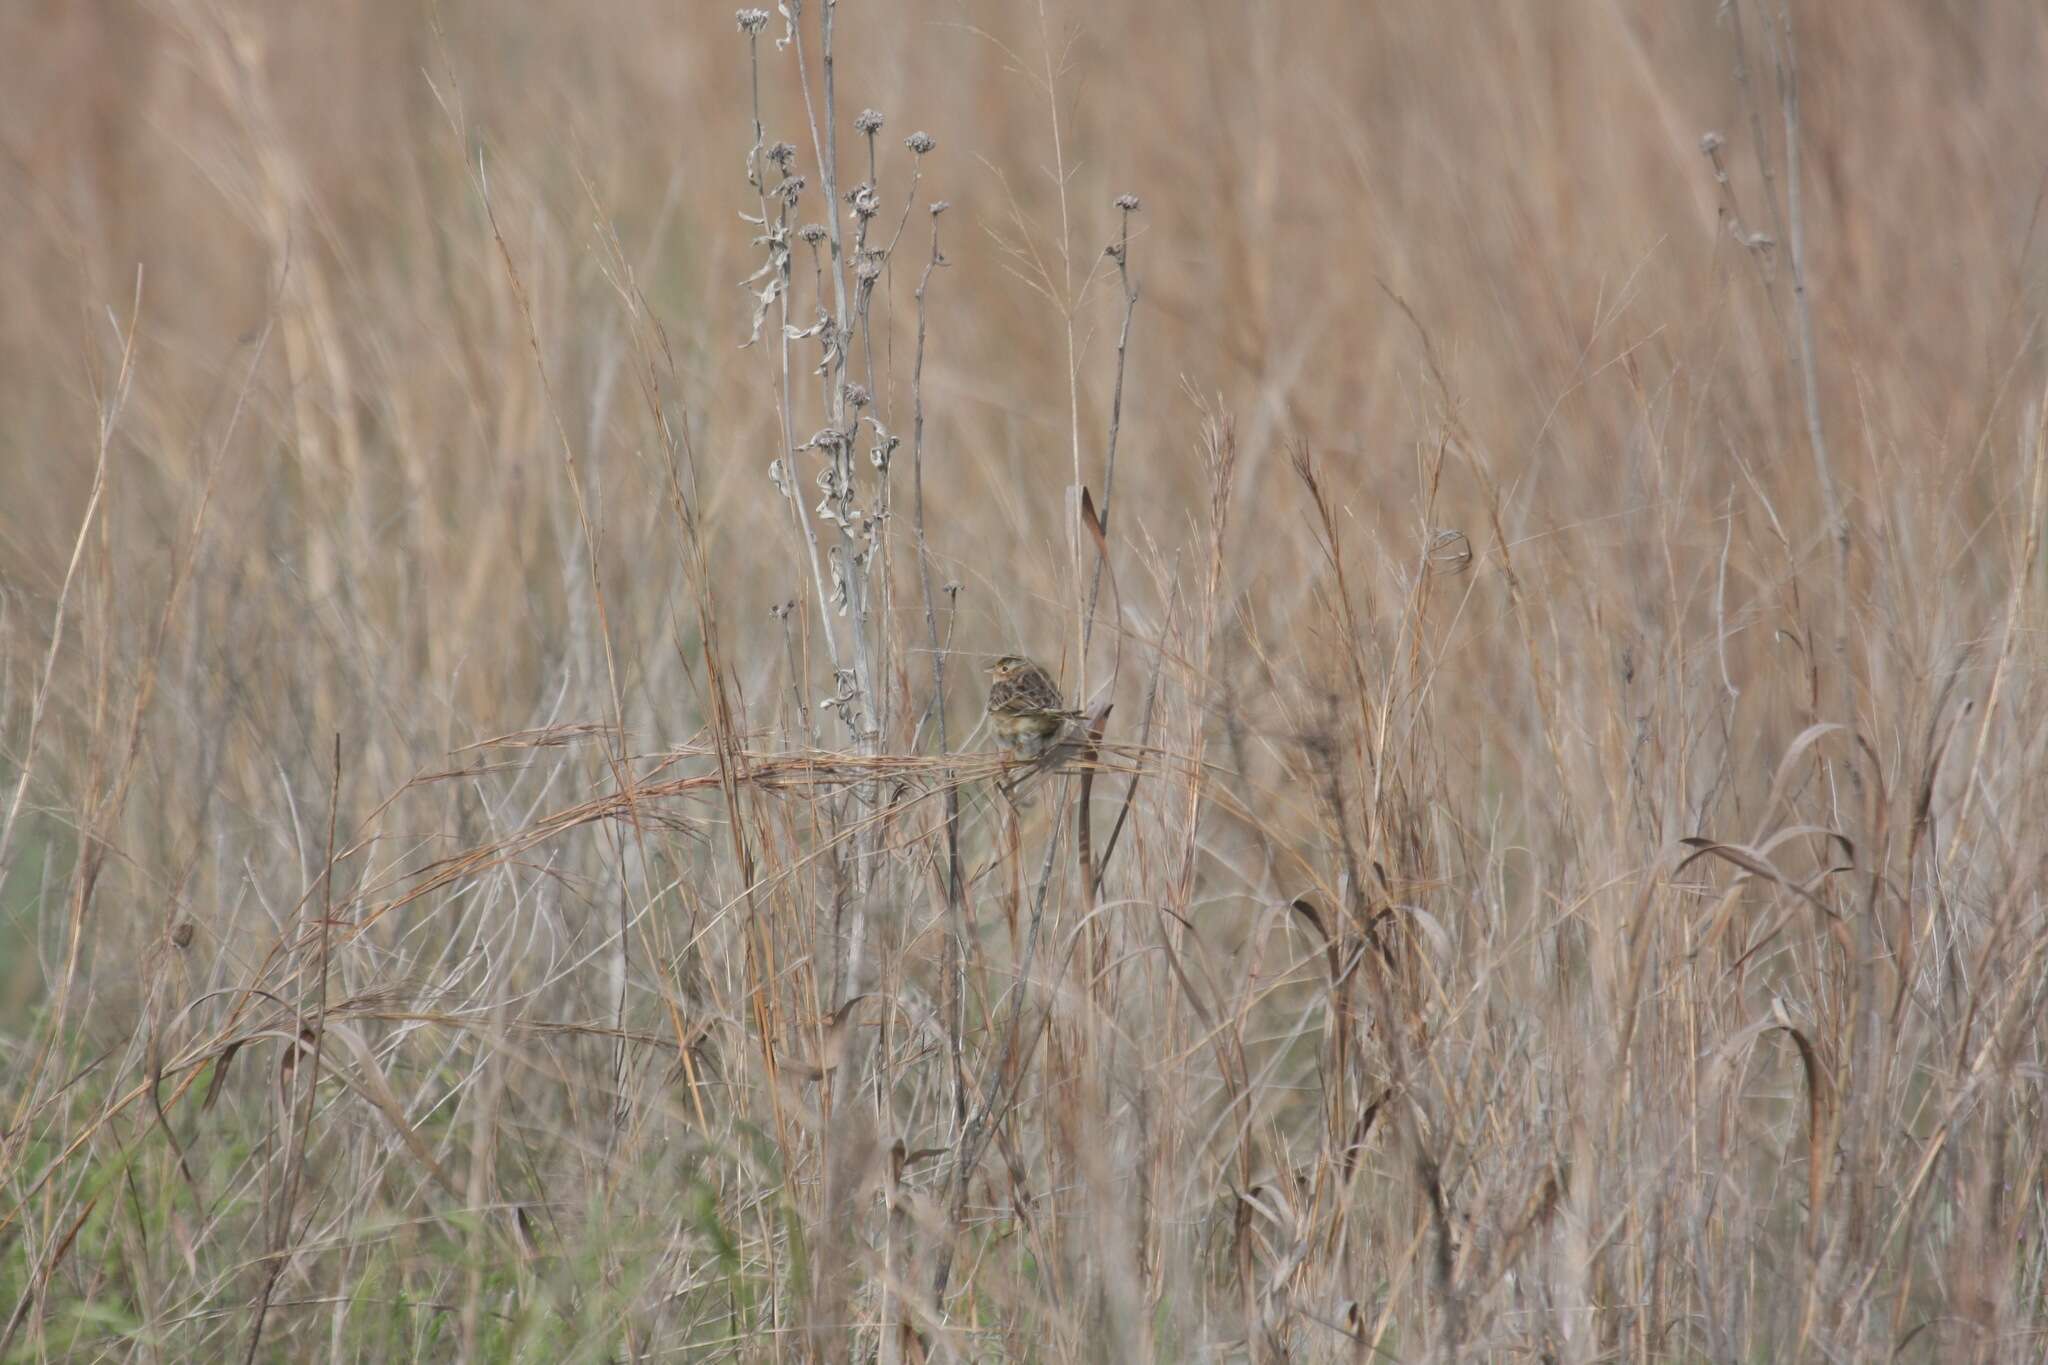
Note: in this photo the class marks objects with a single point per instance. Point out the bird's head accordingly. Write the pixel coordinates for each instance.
(1008, 666)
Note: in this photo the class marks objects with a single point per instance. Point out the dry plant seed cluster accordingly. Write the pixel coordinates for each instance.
(1051, 682)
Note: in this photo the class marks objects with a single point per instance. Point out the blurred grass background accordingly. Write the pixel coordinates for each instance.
(1470, 258)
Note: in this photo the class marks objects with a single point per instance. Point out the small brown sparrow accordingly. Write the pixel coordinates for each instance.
(1025, 707)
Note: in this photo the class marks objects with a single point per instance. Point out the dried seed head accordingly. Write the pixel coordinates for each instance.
(812, 233)
(1753, 241)
(867, 265)
(1450, 551)
(941, 206)
(839, 602)
(181, 937)
(868, 121)
(857, 395)
(1129, 203)
(782, 154)
(752, 20)
(1711, 143)
(919, 143)
(790, 188)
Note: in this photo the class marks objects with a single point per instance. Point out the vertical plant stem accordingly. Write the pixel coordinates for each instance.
(954, 987)
(1122, 251)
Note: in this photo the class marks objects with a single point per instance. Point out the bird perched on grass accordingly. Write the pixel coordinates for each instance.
(1025, 707)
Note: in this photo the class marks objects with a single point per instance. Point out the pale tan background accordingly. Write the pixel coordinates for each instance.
(1653, 616)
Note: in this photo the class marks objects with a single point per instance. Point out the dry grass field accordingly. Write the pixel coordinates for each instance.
(506, 511)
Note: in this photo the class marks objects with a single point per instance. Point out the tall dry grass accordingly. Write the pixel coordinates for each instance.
(1553, 868)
